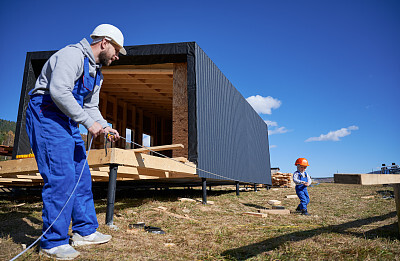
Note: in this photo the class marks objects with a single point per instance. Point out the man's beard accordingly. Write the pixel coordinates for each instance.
(103, 59)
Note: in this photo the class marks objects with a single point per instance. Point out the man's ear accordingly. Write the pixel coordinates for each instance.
(103, 44)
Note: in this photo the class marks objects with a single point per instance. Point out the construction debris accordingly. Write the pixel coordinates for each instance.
(256, 214)
(282, 180)
(209, 202)
(275, 211)
(368, 197)
(278, 207)
(187, 200)
(274, 202)
(291, 196)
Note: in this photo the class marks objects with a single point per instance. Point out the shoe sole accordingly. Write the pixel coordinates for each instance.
(84, 243)
(42, 253)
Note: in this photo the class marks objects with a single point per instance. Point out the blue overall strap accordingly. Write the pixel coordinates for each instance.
(86, 83)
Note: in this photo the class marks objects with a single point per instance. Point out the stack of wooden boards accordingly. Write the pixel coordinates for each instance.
(282, 180)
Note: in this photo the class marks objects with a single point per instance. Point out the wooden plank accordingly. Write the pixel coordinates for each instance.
(124, 123)
(139, 127)
(108, 71)
(20, 166)
(146, 164)
(367, 179)
(275, 211)
(133, 81)
(264, 215)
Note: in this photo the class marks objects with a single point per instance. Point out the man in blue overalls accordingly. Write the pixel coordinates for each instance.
(66, 94)
(302, 181)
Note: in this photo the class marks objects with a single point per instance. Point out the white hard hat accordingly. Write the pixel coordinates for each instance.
(111, 32)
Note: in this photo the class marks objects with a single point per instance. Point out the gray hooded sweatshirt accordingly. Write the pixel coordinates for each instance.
(58, 78)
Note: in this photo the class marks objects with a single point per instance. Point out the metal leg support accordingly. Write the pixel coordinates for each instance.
(255, 187)
(204, 188)
(397, 201)
(237, 188)
(112, 184)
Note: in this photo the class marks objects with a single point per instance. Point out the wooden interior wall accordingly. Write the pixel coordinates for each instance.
(180, 109)
(141, 99)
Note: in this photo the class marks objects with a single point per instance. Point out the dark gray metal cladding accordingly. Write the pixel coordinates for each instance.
(232, 139)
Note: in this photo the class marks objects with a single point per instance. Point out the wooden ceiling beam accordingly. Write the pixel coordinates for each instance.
(107, 71)
(138, 81)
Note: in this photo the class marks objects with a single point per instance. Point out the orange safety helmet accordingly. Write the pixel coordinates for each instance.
(301, 162)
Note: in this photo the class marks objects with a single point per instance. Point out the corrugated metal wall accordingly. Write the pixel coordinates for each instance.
(232, 138)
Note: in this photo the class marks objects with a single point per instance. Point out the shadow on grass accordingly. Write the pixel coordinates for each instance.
(252, 250)
(20, 227)
(254, 206)
(129, 198)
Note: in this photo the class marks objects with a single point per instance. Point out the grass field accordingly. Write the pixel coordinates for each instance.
(342, 226)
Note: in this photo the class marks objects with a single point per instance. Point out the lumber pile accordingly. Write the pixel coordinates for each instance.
(282, 180)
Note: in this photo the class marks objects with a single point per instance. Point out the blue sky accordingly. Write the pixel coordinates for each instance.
(325, 75)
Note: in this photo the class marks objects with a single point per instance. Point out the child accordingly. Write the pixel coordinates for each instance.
(302, 181)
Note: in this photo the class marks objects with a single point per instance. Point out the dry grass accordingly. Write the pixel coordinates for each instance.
(342, 226)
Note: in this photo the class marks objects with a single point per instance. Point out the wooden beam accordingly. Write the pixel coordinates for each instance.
(133, 81)
(124, 123)
(108, 71)
(367, 179)
(139, 127)
(159, 148)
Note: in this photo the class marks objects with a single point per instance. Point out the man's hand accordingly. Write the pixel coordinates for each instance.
(114, 137)
(96, 129)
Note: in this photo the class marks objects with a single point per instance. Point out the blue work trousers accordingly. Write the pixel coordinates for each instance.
(302, 193)
(60, 155)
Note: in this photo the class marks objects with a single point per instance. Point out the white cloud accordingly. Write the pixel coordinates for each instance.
(271, 123)
(263, 105)
(334, 135)
(272, 146)
(279, 130)
(274, 129)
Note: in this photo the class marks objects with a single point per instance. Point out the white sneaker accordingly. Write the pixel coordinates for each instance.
(95, 238)
(63, 252)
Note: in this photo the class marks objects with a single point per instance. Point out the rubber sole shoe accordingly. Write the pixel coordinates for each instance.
(63, 252)
(92, 239)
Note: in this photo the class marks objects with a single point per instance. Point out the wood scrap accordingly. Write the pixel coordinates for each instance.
(274, 202)
(256, 214)
(275, 211)
(368, 197)
(187, 200)
(291, 196)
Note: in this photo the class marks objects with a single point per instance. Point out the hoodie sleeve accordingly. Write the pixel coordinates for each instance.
(66, 68)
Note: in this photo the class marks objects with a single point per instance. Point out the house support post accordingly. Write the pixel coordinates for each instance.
(112, 185)
(396, 188)
(237, 188)
(255, 187)
(204, 189)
